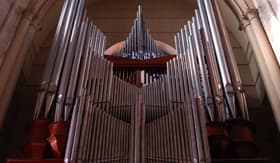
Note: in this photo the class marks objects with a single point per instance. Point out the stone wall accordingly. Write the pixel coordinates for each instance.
(267, 135)
(269, 12)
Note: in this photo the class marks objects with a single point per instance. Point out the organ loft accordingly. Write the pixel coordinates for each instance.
(183, 81)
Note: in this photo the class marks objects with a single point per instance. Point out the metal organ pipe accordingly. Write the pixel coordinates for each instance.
(51, 61)
(214, 75)
(56, 75)
(233, 69)
(112, 120)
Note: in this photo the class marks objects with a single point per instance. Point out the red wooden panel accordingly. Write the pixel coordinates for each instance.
(256, 160)
(243, 160)
(34, 161)
(126, 62)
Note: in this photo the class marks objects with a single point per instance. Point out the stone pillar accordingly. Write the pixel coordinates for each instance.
(247, 15)
(269, 13)
(12, 52)
(16, 35)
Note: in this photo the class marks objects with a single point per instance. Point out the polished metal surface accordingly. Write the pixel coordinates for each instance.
(162, 120)
(139, 43)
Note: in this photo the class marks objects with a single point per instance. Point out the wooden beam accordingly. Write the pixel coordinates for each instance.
(133, 63)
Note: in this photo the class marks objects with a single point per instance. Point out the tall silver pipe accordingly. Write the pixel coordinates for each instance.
(69, 102)
(77, 133)
(101, 44)
(51, 60)
(181, 64)
(140, 45)
(72, 131)
(216, 81)
(220, 56)
(199, 109)
(192, 107)
(96, 41)
(81, 95)
(56, 75)
(203, 70)
(182, 44)
(65, 76)
(233, 69)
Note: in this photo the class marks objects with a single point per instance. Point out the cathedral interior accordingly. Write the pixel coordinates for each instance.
(139, 81)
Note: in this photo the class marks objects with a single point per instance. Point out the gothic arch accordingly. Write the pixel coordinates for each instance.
(247, 16)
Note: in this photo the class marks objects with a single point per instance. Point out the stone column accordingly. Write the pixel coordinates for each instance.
(12, 54)
(16, 35)
(247, 15)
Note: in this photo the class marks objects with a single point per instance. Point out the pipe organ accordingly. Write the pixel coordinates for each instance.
(141, 105)
(139, 43)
